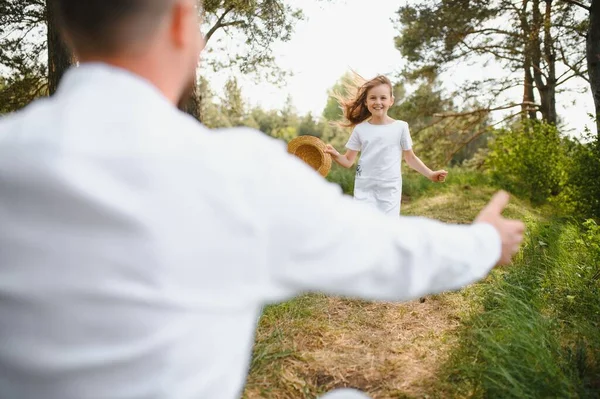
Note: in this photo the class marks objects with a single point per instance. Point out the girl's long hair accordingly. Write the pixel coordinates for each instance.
(353, 97)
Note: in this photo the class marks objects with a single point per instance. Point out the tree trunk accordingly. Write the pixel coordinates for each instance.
(550, 58)
(593, 58)
(528, 110)
(60, 57)
(545, 83)
(192, 104)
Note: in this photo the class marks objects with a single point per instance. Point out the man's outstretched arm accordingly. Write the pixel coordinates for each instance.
(321, 240)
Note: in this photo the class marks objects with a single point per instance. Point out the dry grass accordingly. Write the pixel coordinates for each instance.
(388, 350)
(315, 343)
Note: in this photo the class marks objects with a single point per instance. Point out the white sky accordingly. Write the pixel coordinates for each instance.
(359, 34)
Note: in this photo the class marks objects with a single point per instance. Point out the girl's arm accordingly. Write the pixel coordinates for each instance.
(415, 163)
(346, 160)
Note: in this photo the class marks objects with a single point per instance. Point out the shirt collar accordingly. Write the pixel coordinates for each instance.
(103, 73)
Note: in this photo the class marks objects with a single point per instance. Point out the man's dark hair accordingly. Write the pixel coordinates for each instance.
(108, 26)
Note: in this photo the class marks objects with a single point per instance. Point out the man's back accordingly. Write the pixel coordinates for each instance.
(117, 273)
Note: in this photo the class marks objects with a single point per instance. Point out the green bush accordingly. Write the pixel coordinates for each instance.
(343, 177)
(584, 177)
(530, 161)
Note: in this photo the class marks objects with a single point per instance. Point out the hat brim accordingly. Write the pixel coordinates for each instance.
(311, 150)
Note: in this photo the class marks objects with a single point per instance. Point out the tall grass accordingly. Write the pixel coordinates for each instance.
(537, 334)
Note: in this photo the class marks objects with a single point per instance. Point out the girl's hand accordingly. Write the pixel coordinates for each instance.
(439, 176)
(330, 150)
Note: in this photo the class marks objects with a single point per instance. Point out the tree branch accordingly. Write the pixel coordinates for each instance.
(218, 24)
(572, 67)
(581, 75)
(577, 3)
(485, 110)
(476, 135)
(493, 30)
(489, 49)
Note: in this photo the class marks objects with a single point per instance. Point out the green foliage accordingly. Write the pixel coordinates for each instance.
(232, 104)
(334, 134)
(24, 71)
(529, 160)
(231, 110)
(260, 25)
(343, 177)
(584, 177)
(534, 161)
(284, 124)
(18, 91)
(536, 334)
(533, 38)
(419, 107)
(590, 239)
(289, 115)
(211, 115)
(414, 185)
(439, 140)
(286, 134)
(333, 111)
(439, 25)
(268, 121)
(308, 127)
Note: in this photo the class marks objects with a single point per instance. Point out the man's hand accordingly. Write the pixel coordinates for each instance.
(511, 231)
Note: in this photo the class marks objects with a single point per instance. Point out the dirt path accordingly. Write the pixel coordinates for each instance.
(387, 350)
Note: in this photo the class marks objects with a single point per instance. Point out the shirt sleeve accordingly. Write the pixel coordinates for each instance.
(405, 139)
(321, 240)
(354, 142)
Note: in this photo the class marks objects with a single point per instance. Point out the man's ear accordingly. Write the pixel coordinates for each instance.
(182, 14)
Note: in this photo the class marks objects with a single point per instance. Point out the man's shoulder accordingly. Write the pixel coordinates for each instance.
(250, 143)
(248, 137)
(246, 149)
(16, 124)
(259, 153)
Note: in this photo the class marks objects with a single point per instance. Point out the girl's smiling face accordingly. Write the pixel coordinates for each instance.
(379, 100)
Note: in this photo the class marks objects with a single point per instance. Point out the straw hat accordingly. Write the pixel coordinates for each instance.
(311, 150)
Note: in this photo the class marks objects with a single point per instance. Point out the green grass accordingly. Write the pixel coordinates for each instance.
(538, 333)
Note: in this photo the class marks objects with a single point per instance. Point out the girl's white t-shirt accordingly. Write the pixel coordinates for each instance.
(381, 149)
